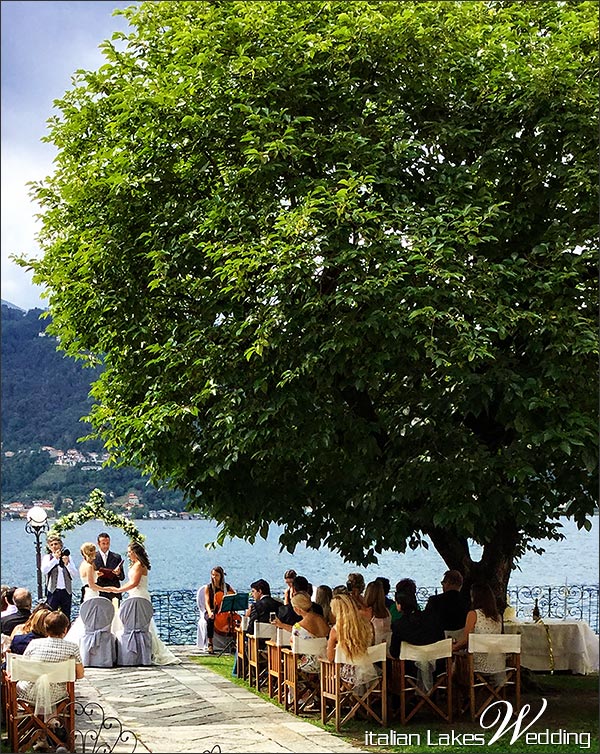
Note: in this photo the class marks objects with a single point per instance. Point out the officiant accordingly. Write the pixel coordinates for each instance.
(109, 566)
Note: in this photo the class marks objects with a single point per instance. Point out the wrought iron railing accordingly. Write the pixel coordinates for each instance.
(176, 612)
(574, 602)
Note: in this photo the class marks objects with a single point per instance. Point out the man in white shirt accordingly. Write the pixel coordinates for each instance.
(59, 571)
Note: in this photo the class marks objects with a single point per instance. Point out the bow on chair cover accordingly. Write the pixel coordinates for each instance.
(425, 657)
(42, 674)
(365, 670)
(133, 639)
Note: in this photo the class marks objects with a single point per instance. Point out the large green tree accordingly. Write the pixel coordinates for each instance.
(337, 260)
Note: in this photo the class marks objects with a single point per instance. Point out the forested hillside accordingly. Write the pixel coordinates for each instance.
(44, 396)
(44, 393)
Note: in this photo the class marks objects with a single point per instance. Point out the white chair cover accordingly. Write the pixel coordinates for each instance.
(425, 657)
(42, 674)
(376, 653)
(201, 633)
(6, 640)
(427, 652)
(495, 646)
(495, 643)
(135, 643)
(365, 670)
(265, 631)
(315, 647)
(98, 645)
(283, 638)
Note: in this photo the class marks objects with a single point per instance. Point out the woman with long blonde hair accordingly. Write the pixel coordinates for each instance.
(351, 630)
(354, 634)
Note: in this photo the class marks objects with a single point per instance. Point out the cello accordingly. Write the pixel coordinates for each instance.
(225, 623)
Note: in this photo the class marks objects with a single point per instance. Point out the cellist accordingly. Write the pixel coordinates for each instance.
(216, 589)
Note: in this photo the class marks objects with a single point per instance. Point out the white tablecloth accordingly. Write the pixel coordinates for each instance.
(574, 645)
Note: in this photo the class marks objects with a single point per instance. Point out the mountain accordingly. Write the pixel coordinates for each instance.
(44, 393)
(44, 396)
(12, 306)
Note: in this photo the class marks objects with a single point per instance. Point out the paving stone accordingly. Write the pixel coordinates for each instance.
(187, 708)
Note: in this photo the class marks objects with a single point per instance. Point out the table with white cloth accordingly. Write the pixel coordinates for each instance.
(573, 643)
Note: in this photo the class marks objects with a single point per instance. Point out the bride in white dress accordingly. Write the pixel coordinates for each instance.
(137, 586)
(91, 590)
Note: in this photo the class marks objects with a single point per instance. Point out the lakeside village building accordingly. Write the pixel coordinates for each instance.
(87, 461)
(18, 510)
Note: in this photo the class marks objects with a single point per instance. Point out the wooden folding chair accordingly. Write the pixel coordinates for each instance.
(275, 663)
(491, 687)
(240, 643)
(300, 689)
(5, 680)
(257, 656)
(423, 688)
(345, 696)
(25, 725)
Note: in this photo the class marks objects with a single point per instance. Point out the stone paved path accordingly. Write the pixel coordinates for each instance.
(188, 708)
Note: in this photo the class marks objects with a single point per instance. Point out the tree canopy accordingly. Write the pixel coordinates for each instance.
(337, 259)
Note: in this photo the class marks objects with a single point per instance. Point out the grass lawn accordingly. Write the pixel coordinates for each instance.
(572, 711)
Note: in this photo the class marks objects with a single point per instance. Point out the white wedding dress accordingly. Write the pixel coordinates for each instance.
(161, 654)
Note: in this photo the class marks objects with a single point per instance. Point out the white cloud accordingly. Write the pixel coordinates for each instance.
(43, 44)
(19, 224)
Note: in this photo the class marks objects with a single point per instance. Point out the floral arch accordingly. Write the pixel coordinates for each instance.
(94, 509)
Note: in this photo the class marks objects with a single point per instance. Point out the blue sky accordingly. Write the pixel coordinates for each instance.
(43, 44)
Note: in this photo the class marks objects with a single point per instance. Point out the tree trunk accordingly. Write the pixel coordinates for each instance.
(496, 562)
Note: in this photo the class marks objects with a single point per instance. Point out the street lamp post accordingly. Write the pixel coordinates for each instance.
(37, 523)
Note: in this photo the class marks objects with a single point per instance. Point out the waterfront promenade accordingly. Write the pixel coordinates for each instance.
(188, 708)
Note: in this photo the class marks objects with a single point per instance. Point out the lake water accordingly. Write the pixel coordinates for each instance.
(180, 559)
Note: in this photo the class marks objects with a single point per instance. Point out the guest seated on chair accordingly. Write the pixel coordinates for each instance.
(406, 586)
(380, 615)
(53, 648)
(339, 589)
(354, 634)
(385, 583)
(484, 618)
(8, 605)
(310, 626)
(287, 616)
(22, 601)
(323, 597)
(413, 626)
(33, 628)
(263, 606)
(450, 606)
(355, 584)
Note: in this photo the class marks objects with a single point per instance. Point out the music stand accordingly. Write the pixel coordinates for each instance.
(231, 603)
